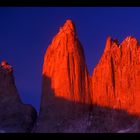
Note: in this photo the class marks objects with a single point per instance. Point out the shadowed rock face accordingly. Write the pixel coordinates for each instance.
(65, 77)
(116, 78)
(15, 116)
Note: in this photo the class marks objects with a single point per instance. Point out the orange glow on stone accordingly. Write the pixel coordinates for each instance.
(116, 78)
(65, 66)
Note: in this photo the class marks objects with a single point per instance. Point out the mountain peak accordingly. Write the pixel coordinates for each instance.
(66, 81)
(116, 77)
(67, 35)
(5, 66)
(109, 43)
(130, 40)
(11, 104)
(66, 50)
(68, 26)
(130, 37)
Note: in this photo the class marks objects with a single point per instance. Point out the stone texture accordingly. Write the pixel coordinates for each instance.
(68, 92)
(66, 82)
(116, 78)
(15, 116)
(64, 64)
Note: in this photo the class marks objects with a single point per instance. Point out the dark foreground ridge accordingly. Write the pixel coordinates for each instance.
(15, 116)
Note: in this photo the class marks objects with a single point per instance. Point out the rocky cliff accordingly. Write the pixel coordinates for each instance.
(73, 102)
(64, 64)
(15, 116)
(66, 81)
(116, 78)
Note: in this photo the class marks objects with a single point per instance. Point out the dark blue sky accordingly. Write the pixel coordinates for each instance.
(25, 34)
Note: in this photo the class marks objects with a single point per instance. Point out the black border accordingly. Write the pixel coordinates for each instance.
(70, 3)
(71, 136)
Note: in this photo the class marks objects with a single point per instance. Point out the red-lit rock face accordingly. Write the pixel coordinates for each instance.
(67, 90)
(66, 82)
(64, 65)
(116, 78)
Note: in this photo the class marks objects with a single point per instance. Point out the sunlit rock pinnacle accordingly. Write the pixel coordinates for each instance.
(116, 78)
(66, 83)
(65, 67)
